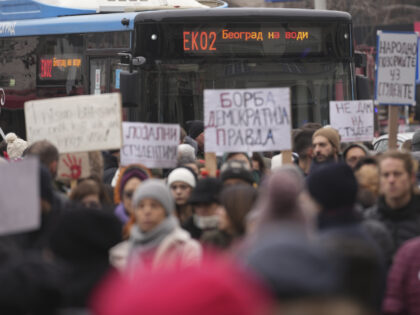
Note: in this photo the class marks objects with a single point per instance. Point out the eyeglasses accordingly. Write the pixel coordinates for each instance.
(128, 194)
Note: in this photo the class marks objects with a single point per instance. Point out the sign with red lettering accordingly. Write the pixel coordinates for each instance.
(247, 120)
(396, 64)
(153, 145)
(353, 120)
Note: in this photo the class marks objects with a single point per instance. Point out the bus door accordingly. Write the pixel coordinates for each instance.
(104, 75)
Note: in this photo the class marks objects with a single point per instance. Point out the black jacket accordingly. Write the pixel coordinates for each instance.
(403, 224)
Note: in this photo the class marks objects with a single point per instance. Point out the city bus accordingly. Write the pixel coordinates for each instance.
(162, 60)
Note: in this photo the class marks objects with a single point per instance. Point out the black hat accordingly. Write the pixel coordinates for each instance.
(333, 186)
(236, 169)
(206, 191)
(195, 127)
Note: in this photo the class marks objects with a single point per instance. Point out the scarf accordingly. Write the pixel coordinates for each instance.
(144, 242)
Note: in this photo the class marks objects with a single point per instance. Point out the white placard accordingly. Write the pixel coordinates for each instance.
(396, 68)
(77, 123)
(73, 166)
(353, 120)
(247, 120)
(153, 145)
(19, 196)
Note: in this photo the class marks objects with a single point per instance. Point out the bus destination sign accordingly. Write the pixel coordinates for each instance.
(245, 41)
(57, 67)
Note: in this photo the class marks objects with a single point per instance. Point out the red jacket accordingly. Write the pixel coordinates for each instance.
(403, 286)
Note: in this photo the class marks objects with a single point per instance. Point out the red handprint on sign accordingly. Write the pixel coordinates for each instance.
(74, 165)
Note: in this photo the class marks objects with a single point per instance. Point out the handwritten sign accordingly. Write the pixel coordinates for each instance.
(73, 166)
(353, 120)
(247, 120)
(396, 68)
(153, 145)
(76, 123)
(19, 196)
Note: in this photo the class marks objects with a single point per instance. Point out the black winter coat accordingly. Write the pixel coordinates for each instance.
(403, 224)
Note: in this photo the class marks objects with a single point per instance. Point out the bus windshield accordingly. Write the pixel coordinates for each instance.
(185, 55)
(173, 91)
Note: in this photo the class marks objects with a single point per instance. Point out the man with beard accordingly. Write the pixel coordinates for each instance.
(326, 147)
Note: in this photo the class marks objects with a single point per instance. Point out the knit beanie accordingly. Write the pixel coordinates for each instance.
(331, 134)
(15, 145)
(181, 174)
(333, 186)
(138, 171)
(195, 127)
(157, 190)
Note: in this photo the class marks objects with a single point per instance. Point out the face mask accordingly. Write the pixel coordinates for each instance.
(207, 222)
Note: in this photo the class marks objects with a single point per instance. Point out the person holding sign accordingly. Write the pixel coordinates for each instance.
(156, 239)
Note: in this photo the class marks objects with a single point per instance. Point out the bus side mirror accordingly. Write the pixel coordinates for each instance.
(362, 88)
(130, 88)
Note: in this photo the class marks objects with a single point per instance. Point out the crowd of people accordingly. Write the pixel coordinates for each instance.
(336, 231)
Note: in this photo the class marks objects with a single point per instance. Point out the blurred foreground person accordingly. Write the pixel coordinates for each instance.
(80, 243)
(215, 287)
(334, 188)
(403, 286)
(156, 239)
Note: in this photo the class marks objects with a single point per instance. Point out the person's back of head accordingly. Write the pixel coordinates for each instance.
(415, 141)
(302, 142)
(46, 152)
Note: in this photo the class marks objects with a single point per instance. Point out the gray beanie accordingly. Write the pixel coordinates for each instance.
(155, 189)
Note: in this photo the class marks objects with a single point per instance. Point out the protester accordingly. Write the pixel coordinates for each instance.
(80, 243)
(15, 146)
(91, 194)
(129, 179)
(205, 201)
(354, 153)
(399, 202)
(182, 181)
(334, 188)
(326, 146)
(367, 175)
(234, 172)
(156, 239)
(302, 145)
(215, 287)
(402, 292)
(236, 202)
(196, 133)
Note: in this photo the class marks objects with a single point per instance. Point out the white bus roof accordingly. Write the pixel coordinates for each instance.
(35, 9)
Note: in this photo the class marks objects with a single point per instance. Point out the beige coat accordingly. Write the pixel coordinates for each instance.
(178, 248)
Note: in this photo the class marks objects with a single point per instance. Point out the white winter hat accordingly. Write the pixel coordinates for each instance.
(181, 174)
(15, 145)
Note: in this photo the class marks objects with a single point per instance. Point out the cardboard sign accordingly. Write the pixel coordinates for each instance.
(353, 120)
(247, 120)
(73, 166)
(19, 196)
(153, 145)
(396, 63)
(76, 123)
